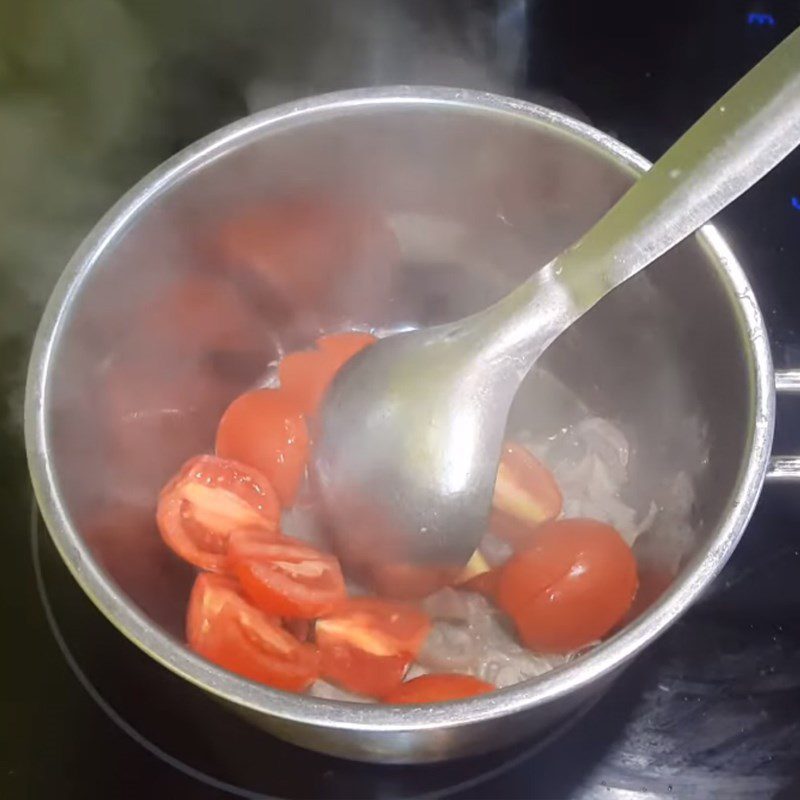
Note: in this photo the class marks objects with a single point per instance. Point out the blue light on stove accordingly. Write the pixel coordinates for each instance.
(756, 18)
(796, 203)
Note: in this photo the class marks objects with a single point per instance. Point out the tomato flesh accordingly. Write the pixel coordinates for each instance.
(266, 430)
(222, 626)
(286, 577)
(569, 587)
(436, 688)
(208, 499)
(484, 583)
(525, 495)
(367, 646)
(305, 376)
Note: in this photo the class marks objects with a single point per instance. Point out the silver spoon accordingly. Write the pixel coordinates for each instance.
(411, 430)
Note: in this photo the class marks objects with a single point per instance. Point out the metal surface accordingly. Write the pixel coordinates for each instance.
(503, 184)
(411, 432)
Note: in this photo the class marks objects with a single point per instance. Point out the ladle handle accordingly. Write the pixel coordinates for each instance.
(746, 133)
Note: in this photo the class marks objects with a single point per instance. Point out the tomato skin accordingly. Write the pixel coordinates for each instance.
(206, 500)
(367, 646)
(286, 577)
(438, 688)
(149, 403)
(341, 347)
(359, 672)
(196, 314)
(569, 587)
(306, 375)
(526, 495)
(266, 430)
(306, 250)
(222, 626)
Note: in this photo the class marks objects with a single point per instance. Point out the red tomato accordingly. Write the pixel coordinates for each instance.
(569, 587)
(209, 498)
(343, 346)
(149, 405)
(653, 582)
(195, 315)
(525, 495)
(305, 376)
(266, 430)
(299, 628)
(438, 689)
(306, 250)
(286, 577)
(366, 647)
(222, 626)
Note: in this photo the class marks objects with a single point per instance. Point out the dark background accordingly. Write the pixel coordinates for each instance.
(94, 93)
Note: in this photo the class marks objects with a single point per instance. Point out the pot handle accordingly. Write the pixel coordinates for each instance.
(785, 469)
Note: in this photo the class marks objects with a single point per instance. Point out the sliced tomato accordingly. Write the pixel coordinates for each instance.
(476, 566)
(438, 688)
(299, 628)
(568, 588)
(306, 375)
(341, 347)
(222, 626)
(286, 577)
(209, 498)
(484, 583)
(152, 405)
(306, 250)
(196, 314)
(265, 429)
(525, 495)
(367, 646)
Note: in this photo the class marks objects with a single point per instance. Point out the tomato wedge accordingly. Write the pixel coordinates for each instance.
(484, 583)
(194, 315)
(438, 688)
(525, 495)
(367, 646)
(306, 249)
(222, 626)
(206, 500)
(266, 430)
(570, 586)
(286, 577)
(305, 376)
(341, 347)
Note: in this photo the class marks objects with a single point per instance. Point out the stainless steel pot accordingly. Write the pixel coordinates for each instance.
(478, 190)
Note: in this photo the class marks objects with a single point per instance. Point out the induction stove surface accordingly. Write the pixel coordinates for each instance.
(710, 710)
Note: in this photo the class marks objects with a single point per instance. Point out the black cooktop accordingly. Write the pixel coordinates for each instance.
(712, 710)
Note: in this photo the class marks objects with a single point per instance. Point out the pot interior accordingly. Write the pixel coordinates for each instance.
(446, 207)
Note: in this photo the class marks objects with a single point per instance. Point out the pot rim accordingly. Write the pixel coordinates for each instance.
(171, 653)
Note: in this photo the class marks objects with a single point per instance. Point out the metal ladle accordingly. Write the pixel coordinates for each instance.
(411, 430)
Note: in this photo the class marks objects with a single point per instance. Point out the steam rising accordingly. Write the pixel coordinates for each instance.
(97, 92)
